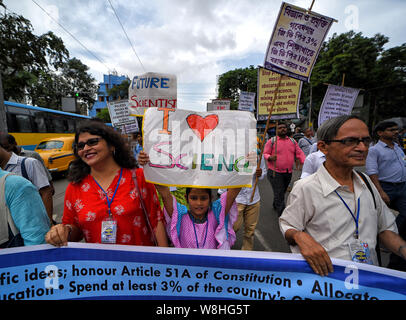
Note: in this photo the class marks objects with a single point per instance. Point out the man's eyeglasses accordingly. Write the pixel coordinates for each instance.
(392, 129)
(91, 143)
(352, 141)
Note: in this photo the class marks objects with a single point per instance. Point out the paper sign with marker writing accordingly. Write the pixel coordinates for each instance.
(152, 90)
(202, 149)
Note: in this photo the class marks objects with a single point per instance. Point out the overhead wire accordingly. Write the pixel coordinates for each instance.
(125, 33)
(77, 40)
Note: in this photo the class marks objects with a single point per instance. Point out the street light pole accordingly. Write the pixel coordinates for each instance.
(3, 120)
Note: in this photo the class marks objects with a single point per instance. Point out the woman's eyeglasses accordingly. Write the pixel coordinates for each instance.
(91, 143)
(352, 141)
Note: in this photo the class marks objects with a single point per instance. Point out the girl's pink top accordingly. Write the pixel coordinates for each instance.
(215, 233)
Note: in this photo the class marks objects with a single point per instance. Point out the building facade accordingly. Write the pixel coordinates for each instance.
(109, 81)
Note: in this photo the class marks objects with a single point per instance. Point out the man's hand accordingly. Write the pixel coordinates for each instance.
(385, 197)
(312, 251)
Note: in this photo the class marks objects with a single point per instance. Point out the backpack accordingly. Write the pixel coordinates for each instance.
(9, 236)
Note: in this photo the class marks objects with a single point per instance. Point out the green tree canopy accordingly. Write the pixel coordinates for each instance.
(38, 67)
(232, 82)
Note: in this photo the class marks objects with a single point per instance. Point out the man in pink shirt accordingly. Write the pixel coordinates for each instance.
(280, 153)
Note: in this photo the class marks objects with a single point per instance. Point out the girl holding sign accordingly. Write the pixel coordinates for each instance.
(206, 224)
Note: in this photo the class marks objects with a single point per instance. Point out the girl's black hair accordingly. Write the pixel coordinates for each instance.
(122, 154)
(209, 191)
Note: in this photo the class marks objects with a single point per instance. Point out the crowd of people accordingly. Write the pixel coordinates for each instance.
(333, 211)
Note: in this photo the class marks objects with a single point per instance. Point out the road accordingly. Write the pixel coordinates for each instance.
(267, 236)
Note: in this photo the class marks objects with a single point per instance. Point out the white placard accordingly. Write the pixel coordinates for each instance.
(152, 90)
(246, 101)
(337, 101)
(200, 149)
(119, 114)
(218, 104)
(296, 41)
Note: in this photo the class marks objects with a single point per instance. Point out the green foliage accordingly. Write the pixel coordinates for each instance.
(120, 91)
(38, 67)
(104, 115)
(232, 82)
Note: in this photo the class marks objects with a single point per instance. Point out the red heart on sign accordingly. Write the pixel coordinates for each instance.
(202, 126)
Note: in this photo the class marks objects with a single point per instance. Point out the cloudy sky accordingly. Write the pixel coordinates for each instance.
(194, 39)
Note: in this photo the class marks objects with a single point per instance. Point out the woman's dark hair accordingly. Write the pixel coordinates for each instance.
(122, 152)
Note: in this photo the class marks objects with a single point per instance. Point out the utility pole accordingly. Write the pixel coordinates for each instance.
(3, 119)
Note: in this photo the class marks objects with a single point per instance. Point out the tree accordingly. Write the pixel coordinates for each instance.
(232, 82)
(120, 91)
(24, 56)
(38, 67)
(104, 115)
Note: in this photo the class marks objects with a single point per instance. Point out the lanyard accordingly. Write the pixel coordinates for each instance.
(356, 219)
(109, 202)
(194, 229)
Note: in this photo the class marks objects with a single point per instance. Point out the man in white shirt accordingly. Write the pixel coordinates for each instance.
(332, 213)
(312, 163)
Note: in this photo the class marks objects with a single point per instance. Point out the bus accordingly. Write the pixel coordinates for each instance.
(29, 125)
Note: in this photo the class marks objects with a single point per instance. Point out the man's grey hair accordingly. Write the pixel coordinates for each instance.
(329, 129)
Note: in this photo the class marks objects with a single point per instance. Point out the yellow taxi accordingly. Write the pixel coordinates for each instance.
(57, 153)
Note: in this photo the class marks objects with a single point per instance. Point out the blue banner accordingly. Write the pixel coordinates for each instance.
(92, 271)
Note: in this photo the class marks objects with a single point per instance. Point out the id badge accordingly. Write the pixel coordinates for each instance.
(360, 252)
(109, 231)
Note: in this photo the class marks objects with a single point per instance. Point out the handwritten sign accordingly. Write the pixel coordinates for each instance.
(246, 101)
(83, 271)
(201, 149)
(296, 41)
(152, 90)
(286, 104)
(336, 102)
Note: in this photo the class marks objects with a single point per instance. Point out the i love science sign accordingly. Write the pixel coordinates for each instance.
(200, 149)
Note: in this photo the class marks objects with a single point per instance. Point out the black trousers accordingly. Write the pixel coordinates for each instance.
(279, 183)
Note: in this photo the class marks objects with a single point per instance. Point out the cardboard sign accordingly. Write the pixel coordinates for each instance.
(296, 41)
(336, 102)
(152, 90)
(286, 104)
(200, 149)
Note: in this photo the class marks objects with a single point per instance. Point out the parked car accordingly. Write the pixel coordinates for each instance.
(57, 153)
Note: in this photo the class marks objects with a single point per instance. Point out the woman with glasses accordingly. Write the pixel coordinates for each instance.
(107, 199)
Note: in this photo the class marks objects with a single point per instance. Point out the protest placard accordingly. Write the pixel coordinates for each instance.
(296, 41)
(337, 101)
(95, 271)
(119, 113)
(286, 104)
(246, 101)
(201, 149)
(152, 90)
(218, 104)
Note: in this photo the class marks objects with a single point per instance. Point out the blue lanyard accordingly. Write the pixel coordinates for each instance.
(109, 202)
(356, 219)
(194, 229)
